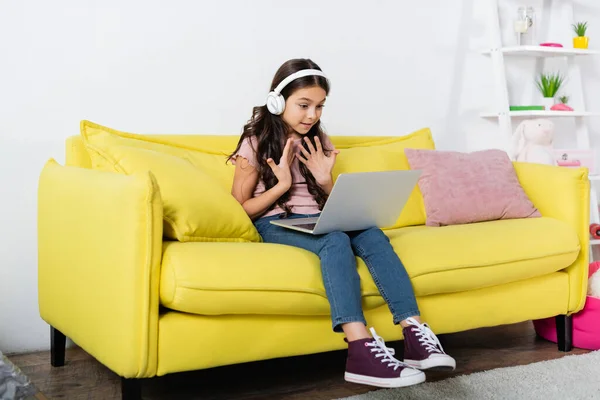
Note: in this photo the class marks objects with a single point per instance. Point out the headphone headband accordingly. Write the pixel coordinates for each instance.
(296, 75)
(275, 101)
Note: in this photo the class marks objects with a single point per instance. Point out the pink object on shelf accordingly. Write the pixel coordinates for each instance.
(550, 44)
(561, 107)
(586, 323)
(581, 157)
(572, 163)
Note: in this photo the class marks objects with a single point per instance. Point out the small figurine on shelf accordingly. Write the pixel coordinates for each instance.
(533, 142)
(566, 162)
(581, 41)
(562, 106)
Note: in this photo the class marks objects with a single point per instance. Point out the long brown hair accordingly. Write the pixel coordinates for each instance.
(271, 132)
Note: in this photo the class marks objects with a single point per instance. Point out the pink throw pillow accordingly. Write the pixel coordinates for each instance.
(462, 188)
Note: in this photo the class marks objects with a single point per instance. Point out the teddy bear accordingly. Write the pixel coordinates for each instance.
(532, 142)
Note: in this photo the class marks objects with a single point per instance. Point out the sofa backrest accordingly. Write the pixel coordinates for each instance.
(107, 149)
(77, 155)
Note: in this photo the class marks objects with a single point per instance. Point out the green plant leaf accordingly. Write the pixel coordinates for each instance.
(580, 28)
(549, 84)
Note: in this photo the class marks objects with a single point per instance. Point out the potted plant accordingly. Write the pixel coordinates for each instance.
(562, 106)
(581, 41)
(549, 84)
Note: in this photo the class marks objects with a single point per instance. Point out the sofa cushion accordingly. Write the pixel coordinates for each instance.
(101, 140)
(462, 188)
(265, 278)
(386, 156)
(195, 206)
(248, 278)
(464, 257)
(195, 186)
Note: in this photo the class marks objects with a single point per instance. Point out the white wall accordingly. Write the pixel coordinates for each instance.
(199, 67)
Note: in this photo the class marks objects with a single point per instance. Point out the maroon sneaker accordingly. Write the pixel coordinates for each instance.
(369, 362)
(422, 349)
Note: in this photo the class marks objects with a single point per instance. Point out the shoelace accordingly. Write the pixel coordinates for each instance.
(426, 336)
(385, 353)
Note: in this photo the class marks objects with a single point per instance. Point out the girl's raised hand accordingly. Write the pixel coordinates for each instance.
(282, 170)
(319, 164)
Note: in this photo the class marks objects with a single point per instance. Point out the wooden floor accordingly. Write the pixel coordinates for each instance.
(308, 377)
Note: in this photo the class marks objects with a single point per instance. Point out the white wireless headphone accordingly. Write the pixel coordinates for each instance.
(275, 101)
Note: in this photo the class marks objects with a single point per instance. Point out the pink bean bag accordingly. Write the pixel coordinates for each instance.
(586, 323)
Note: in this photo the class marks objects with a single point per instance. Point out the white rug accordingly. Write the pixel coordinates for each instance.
(569, 377)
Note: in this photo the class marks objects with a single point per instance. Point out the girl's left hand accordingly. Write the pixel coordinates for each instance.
(319, 164)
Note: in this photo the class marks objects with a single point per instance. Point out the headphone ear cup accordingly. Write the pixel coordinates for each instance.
(281, 105)
(275, 103)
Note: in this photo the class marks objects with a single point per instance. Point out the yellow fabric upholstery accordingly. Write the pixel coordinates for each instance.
(195, 185)
(215, 279)
(564, 194)
(196, 206)
(503, 249)
(184, 337)
(103, 141)
(105, 269)
(385, 156)
(99, 238)
(110, 150)
(491, 253)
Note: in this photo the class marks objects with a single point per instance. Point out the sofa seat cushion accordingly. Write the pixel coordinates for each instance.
(215, 278)
(471, 256)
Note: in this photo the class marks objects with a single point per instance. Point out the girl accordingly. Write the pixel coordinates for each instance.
(283, 169)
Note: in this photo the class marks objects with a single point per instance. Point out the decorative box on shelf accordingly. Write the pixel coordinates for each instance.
(575, 158)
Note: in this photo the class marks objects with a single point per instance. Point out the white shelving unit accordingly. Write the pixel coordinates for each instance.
(501, 108)
(542, 113)
(541, 51)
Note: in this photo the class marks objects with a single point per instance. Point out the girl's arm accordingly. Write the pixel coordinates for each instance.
(245, 180)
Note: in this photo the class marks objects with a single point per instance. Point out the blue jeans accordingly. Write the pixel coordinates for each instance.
(337, 251)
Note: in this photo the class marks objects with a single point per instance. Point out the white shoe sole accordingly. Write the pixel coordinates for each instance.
(440, 362)
(402, 381)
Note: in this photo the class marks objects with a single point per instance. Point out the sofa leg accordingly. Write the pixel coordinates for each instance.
(58, 342)
(131, 389)
(564, 332)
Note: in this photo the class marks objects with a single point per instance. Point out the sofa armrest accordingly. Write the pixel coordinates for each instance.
(99, 249)
(564, 194)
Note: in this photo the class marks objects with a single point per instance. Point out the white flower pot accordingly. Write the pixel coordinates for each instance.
(547, 102)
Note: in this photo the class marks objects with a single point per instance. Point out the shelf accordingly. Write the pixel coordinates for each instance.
(542, 51)
(594, 177)
(542, 113)
(594, 241)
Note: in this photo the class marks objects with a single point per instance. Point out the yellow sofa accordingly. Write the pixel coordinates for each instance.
(115, 279)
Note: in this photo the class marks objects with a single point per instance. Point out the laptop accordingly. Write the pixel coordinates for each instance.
(359, 201)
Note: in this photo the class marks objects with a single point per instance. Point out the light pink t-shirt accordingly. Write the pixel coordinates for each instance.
(300, 200)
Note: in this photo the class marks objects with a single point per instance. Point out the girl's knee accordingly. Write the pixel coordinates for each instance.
(372, 235)
(337, 238)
